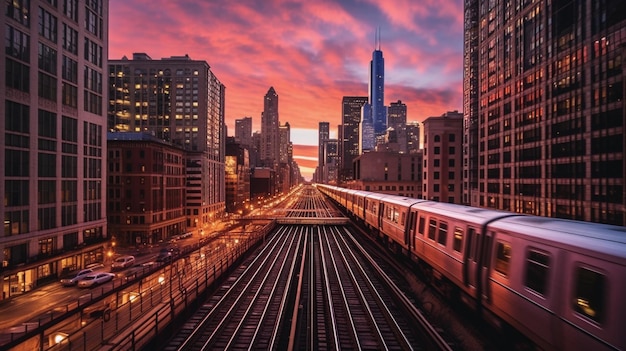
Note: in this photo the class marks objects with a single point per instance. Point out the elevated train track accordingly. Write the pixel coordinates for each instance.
(312, 286)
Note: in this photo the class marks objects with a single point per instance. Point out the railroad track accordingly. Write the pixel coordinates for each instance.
(311, 287)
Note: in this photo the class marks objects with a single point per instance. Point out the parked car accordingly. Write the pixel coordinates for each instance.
(123, 262)
(94, 279)
(74, 279)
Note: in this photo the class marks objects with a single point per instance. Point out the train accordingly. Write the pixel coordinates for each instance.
(561, 283)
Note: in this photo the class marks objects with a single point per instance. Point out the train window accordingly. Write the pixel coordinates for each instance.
(589, 294)
(443, 233)
(537, 269)
(402, 218)
(432, 229)
(458, 239)
(422, 224)
(503, 257)
(396, 215)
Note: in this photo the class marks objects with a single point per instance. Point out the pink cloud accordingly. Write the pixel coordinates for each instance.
(312, 52)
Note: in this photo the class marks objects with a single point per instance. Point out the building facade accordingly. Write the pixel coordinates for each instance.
(323, 134)
(243, 131)
(54, 140)
(237, 176)
(396, 120)
(413, 137)
(270, 135)
(377, 91)
(145, 189)
(181, 101)
(388, 172)
(545, 119)
(443, 166)
(349, 137)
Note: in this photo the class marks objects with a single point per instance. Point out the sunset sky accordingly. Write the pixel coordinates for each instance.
(312, 52)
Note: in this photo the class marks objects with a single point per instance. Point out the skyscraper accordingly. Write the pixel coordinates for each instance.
(53, 131)
(179, 100)
(377, 91)
(322, 136)
(270, 138)
(413, 137)
(349, 138)
(243, 131)
(374, 113)
(396, 119)
(546, 109)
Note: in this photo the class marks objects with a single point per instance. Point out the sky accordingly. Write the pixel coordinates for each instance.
(312, 52)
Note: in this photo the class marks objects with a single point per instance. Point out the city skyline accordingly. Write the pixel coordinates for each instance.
(313, 54)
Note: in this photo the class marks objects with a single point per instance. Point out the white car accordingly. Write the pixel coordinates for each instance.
(94, 279)
(123, 262)
(75, 279)
(72, 280)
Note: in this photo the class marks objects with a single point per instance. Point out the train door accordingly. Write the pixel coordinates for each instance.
(470, 258)
(409, 230)
(381, 213)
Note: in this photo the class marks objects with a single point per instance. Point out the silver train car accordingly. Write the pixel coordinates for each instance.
(562, 283)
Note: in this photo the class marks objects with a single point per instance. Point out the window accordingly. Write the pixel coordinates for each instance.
(70, 9)
(589, 294)
(19, 11)
(93, 52)
(443, 233)
(69, 95)
(17, 44)
(93, 80)
(17, 117)
(432, 229)
(422, 224)
(47, 59)
(17, 75)
(47, 87)
(93, 103)
(537, 270)
(503, 257)
(70, 39)
(47, 125)
(457, 244)
(47, 25)
(93, 23)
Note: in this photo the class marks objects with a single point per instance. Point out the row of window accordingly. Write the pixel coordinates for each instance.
(589, 294)
(589, 290)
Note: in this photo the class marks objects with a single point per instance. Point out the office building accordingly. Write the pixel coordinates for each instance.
(145, 189)
(443, 142)
(396, 120)
(181, 101)
(237, 164)
(545, 111)
(270, 136)
(331, 161)
(243, 131)
(388, 172)
(349, 137)
(322, 135)
(53, 145)
(377, 91)
(412, 137)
